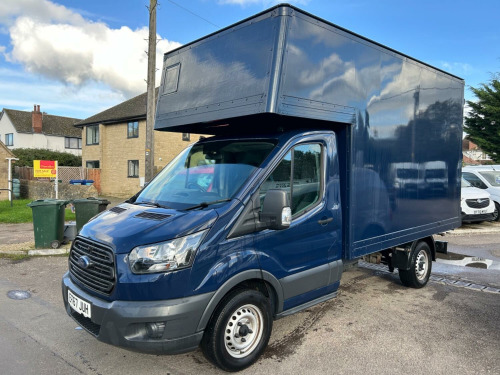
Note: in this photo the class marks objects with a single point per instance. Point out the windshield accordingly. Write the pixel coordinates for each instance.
(210, 172)
(407, 173)
(465, 183)
(435, 173)
(492, 177)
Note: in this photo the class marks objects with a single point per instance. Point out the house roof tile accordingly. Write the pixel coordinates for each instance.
(51, 125)
(132, 109)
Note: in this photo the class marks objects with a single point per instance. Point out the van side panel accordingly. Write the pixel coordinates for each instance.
(399, 120)
(405, 121)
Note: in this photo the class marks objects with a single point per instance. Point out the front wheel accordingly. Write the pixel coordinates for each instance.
(239, 331)
(420, 267)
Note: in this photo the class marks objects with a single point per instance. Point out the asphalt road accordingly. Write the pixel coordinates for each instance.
(374, 326)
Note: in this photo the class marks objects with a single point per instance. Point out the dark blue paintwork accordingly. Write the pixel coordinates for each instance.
(398, 120)
(281, 253)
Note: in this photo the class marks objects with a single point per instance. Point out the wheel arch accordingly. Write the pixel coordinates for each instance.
(263, 281)
(432, 245)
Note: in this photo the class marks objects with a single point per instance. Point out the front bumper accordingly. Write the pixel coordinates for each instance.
(477, 218)
(123, 323)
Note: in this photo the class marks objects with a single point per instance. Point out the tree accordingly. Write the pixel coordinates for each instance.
(483, 122)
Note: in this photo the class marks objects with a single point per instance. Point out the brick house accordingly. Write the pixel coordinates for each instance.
(114, 141)
(472, 154)
(5, 153)
(36, 129)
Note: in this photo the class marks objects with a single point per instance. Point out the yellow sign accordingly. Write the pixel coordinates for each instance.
(44, 168)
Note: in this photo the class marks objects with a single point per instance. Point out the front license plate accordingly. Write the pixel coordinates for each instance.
(79, 305)
(478, 212)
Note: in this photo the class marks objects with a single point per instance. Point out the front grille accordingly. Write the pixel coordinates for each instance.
(86, 323)
(478, 203)
(98, 272)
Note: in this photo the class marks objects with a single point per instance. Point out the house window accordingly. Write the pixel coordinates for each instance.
(133, 130)
(93, 135)
(9, 139)
(92, 164)
(186, 136)
(133, 168)
(73, 142)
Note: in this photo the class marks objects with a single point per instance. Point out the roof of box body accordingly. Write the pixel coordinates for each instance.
(130, 110)
(52, 125)
(286, 63)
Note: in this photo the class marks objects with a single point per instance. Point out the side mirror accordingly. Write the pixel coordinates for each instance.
(276, 213)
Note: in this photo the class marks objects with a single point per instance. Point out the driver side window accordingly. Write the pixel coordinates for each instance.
(299, 174)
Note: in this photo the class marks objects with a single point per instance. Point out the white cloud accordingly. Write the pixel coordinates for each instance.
(457, 68)
(41, 10)
(55, 42)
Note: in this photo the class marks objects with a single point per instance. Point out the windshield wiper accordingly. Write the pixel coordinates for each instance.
(206, 204)
(151, 204)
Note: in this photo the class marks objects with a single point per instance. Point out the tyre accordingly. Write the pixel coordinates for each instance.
(239, 330)
(420, 267)
(496, 215)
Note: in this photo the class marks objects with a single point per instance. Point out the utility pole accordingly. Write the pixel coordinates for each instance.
(151, 102)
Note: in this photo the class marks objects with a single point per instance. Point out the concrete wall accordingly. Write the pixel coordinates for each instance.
(44, 190)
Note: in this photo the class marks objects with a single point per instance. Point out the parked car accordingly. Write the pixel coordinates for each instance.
(486, 177)
(476, 204)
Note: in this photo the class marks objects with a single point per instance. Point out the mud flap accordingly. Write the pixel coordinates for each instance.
(401, 257)
(441, 247)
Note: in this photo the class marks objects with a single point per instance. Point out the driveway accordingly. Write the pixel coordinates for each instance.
(374, 326)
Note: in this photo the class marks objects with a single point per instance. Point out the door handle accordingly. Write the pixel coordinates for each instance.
(325, 221)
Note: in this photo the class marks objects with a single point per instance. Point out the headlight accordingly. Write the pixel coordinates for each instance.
(165, 256)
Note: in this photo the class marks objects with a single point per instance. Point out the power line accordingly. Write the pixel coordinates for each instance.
(193, 13)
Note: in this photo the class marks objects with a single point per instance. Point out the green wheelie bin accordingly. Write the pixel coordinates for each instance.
(86, 209)
(48, 222)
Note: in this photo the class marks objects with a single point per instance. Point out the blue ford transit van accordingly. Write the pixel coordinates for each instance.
(311, 124)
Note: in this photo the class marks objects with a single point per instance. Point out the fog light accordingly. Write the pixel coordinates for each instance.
(155, 330)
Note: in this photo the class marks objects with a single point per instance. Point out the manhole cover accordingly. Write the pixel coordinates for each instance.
(18, 294)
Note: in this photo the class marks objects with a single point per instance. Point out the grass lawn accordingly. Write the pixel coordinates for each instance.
(21, 213)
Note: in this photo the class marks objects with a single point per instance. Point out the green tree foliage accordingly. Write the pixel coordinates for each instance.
(483, 122)
(27, 155)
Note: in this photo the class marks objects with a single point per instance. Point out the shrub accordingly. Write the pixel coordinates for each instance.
(27, 155)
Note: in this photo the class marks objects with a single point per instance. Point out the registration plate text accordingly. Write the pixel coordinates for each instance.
(79, 305)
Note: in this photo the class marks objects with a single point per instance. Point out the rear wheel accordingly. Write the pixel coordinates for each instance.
(420, 267)
(239, 331)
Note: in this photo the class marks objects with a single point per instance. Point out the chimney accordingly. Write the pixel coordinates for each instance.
(36, 119)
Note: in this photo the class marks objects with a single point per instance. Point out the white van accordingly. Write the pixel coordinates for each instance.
(476, 204)
(486, 177)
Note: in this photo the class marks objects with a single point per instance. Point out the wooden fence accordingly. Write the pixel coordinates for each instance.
(66, 174)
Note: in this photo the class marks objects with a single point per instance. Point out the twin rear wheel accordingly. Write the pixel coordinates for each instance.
(420, 267)
(239, 331)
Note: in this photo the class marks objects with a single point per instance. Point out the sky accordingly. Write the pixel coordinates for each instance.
(77, 58)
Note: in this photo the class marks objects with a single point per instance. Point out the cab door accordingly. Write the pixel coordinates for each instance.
(305, 258)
